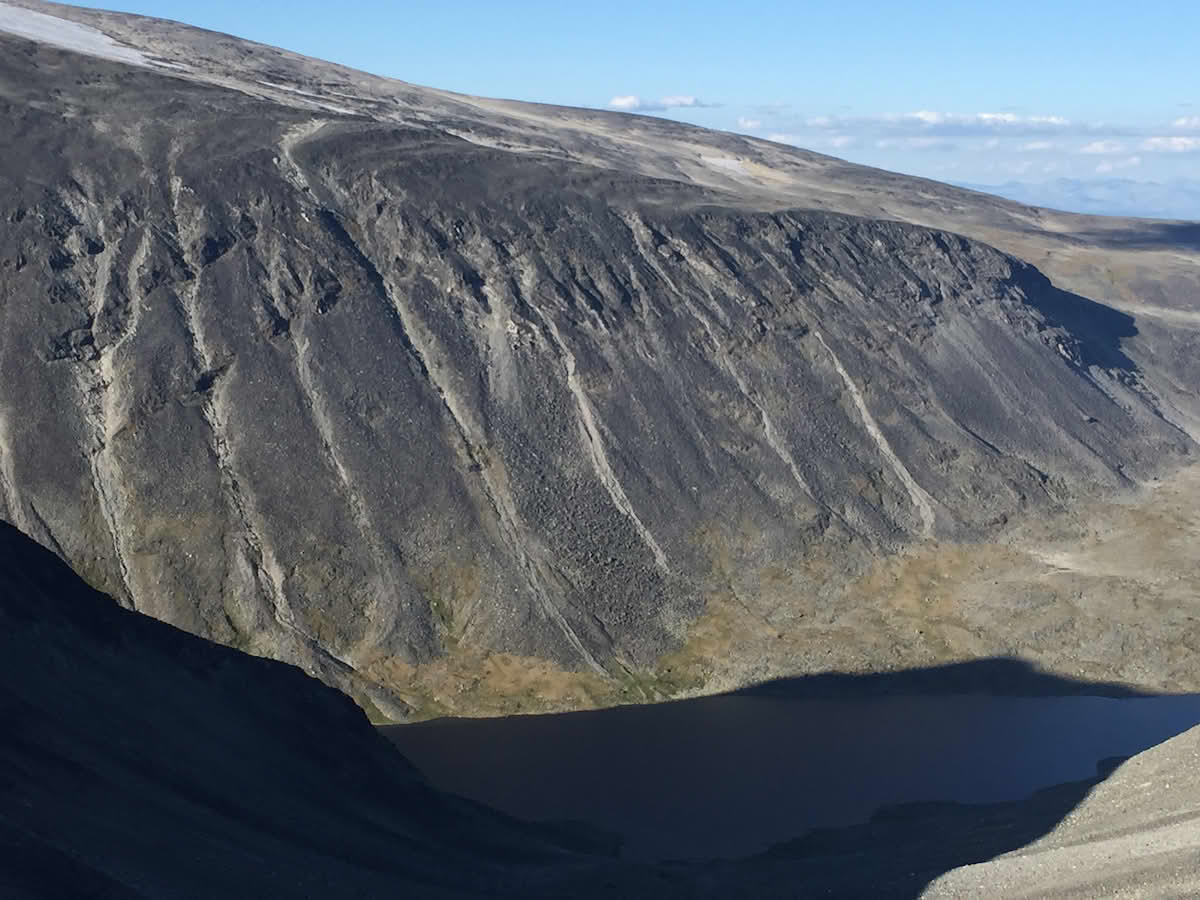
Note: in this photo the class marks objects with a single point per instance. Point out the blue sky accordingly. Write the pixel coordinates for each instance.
(961, 91)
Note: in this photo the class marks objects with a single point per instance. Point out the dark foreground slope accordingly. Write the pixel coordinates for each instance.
(139, 761)
(363, 388)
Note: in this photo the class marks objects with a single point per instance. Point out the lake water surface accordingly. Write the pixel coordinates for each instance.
(731, 775)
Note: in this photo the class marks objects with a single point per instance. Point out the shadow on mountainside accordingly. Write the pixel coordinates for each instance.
(137, 760)
(1097, 331)
(1148, 235)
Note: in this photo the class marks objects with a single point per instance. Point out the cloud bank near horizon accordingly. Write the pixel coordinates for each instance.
(985, 147)
(991, 145)
(634, 103)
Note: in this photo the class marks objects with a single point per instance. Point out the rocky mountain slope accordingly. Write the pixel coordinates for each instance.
(435, 395)
(1135, 835)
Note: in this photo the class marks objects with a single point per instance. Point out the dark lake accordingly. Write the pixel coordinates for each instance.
(731, 775)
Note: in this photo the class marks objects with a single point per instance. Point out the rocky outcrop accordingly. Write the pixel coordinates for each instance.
(363, 395)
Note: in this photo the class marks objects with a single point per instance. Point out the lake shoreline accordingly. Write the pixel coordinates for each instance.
(738, 775)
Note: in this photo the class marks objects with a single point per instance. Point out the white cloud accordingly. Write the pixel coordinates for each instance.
(1109, 147)
(1172, 144)
(1111, 165)
(1027, 133)
(748, 124)
(634, 103)
(929, 117)
(837, 141)
(945, 124)
(914, 143)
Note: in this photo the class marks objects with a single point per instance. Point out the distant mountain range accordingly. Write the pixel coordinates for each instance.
(1178, 198)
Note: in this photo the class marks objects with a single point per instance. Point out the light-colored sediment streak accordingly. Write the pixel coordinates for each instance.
(592, 438)
(473, 436)
(314, 396)
(290, 169)
(771, 433)
(216, 414)
(920, 498)
(495, 486)
(770, 430)
(382, 619)
(323, 421)
(106, 420)
(604, 470)
(215, 409)
(8, 478)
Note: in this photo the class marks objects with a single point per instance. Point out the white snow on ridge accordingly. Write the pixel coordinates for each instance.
(58, 32)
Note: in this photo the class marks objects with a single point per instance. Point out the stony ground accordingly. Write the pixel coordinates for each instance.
(1135, 835)
(1107, 592)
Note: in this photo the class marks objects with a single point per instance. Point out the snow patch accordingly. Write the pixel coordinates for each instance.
(58, 32)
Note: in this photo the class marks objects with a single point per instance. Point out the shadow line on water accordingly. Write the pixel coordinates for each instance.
(996, 676)
(851, 784)
(902, 849)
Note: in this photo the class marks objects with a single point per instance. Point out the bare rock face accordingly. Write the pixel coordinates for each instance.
(364, 395)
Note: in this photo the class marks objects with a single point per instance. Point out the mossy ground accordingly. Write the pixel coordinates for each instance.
(1108, 592)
